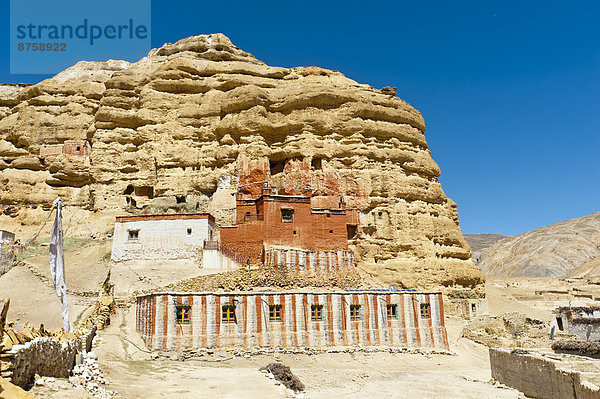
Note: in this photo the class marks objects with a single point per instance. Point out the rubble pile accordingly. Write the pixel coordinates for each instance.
(88, 375)
(262, 279)
(508, 330)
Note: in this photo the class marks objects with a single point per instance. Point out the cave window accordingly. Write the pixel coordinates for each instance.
(352, 229)
(133, 235)
(129, 190)
(180, 199)
(287, 215)
(276, 167)
(559, 323)
(317, 163)
(473, 308)
(380, 214)
(145, 191)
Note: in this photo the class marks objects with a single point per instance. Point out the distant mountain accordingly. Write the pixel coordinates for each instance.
(480, 241)
(570, 248)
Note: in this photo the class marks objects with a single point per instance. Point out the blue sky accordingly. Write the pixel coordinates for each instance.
(510, 91)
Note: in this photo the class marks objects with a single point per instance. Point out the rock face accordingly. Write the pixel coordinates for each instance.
(189, 124)
(570, 248)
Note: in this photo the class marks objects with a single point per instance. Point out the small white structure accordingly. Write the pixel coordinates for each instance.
(161, 237)
(219, 258)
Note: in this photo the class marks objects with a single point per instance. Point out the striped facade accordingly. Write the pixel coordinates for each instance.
(310, 262)
(157, 320)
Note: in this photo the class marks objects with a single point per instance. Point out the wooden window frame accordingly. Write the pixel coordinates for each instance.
(425, 309)
(285, 219)
(355, 312)
(275, 312)
(392, 311)
(228, 314)
(183, 314)
(133, 234)
(316, 312)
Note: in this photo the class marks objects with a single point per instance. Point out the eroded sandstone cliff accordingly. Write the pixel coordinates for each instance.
(194, 121)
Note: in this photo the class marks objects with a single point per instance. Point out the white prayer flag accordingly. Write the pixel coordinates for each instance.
(57, 263)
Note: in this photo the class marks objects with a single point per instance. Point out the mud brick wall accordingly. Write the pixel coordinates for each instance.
(539, 377)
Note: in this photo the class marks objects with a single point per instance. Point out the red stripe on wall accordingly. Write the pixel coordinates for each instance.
(388, 301)
(245, 317)
(204, 322)
(367, 319)
(191, 340)
(416, 318)
(355, 302)
(306, 325)
(429, 320)
(294, 321)
(404, 337)
(165, 320)
(329, 311)
(443, 322)
(217, 321)
(344, 326)
(258, 304)
(376, 314)
(283, 321)
(153, 322)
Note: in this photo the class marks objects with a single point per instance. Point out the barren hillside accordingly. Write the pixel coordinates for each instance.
(570, 248)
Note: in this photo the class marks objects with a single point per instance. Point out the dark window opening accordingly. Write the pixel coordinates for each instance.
(559, 323)
(129, 190)
(330, 231)
(317, 163)
(274, 312)
(78, 148)
(189, 231)
(180, 199)
(316, 312)
(133, 234)
(294, 232)
(392, 312)
(145, 191)
(354, 312)
(183, 314)
(473, 308)
(287, 215)
(425, 311)
(351, 229)
(228, 314)
(380, 214)
(329, 215)
(276, 167)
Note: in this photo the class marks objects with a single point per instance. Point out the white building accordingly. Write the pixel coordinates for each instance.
(161, 237)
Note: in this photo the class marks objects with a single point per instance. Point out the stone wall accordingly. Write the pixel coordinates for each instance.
(7, 256)
(46, 356)
(310, 262)
(543, 376)
(251, 323)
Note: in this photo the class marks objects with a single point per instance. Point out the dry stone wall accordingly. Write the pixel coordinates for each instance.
(194, 120)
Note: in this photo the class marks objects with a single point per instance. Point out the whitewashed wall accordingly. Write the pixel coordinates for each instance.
(156, 320)
(161, 239)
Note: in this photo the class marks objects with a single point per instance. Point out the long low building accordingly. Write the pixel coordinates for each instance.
(177, 321)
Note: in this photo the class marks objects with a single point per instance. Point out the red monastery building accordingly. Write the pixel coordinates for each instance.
(281, 222)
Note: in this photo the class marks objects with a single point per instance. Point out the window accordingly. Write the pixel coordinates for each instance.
(330, 231)
(133, 234)
(316, 312)
(354, 312)
(473, 308)
(274, 312)
(189, 231)
(392, 312)
(228, 314)
(183, 314)
(425, 311)
(351, 229)
(559, 323)
(287, 215)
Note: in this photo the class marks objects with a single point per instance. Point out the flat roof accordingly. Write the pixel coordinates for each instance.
(383, 291)
(173, 216)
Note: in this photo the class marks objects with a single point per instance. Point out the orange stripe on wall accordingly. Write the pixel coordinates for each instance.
(404, 335)
(355, 302)
(306, 325)
(416, 319)
(443, 322)
(367, 319)
(283, 322)
(294, 321)
(376, 314)
(217, 321)
(429, 321)
(388, 301)
(258, 303)
(191, 303)
(329, 311)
